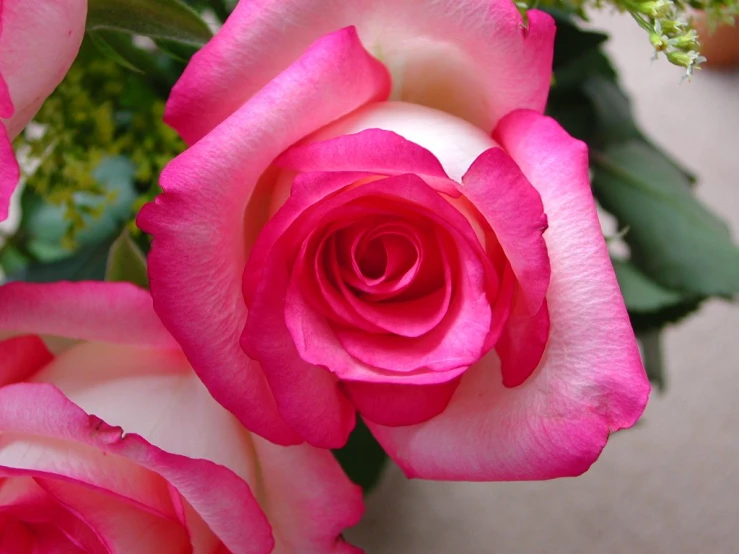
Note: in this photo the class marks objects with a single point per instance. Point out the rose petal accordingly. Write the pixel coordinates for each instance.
(114, 312)
(198, 255)
(22, 357)
(310, 499)
(38, 43)
(308, 396)
(394, 404)
(153, 393)
(590, 382)
(514, 211)
(121, 526)
(440, 55)
(372, 151)
(10, 172)
(22, 499)
(219, 495)
(521, 345)
(454, 142)
(38, 456)
(16, 538)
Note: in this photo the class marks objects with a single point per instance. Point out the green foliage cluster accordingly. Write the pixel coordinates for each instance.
(101, 110)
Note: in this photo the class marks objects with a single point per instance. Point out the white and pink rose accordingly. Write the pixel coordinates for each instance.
(374, 216)
(109, 443)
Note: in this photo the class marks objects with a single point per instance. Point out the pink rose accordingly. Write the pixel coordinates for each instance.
(377, 218)
(112, 444)
(39, 40)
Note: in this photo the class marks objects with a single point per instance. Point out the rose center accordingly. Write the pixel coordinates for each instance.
(372, 261)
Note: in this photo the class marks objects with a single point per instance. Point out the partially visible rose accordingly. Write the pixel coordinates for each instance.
(39, 40)
(378, 219)
(109, 443)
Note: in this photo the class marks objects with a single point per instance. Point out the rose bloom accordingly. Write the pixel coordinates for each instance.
(39, 40)
(109, 443)
(375, 216)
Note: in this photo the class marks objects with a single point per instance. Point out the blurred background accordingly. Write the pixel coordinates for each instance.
(671, 484)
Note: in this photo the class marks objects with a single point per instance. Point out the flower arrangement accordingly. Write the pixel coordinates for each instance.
(254, 250)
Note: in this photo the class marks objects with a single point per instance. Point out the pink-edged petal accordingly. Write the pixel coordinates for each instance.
(202, 538)
(310, 501)
(38, 43)
(222, 498)
(10, 172)
(23, 499)
(372, 151)
(590, 381)
(440, 54)
(21, 357)
(394, 404)
(35, 456)
(6, 103)
(123, 528)
(308, 396)
(521, 345)
(199, 251)
(513, 209)
(112, 312)
(154, 393)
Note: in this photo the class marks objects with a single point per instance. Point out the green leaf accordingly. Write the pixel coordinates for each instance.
(572, 43)
(126, 262)
(87, 264)
(650, 305)
(640, 293)
(362, 458)
(674, 240)
(176, 50)
(163, 19)
(104, 42)
(651, 350)
(615, 119)
(612, 109)
(574, 112)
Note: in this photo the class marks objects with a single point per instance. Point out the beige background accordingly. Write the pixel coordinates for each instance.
(672, 484)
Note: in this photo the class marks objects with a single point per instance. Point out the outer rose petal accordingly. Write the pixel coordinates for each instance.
(10, 173)
(220, 496)
(39, 40)
(112, 312)
(313, 500)
(426, 45)
(199, 251)
(590, 382)
(154, 393)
